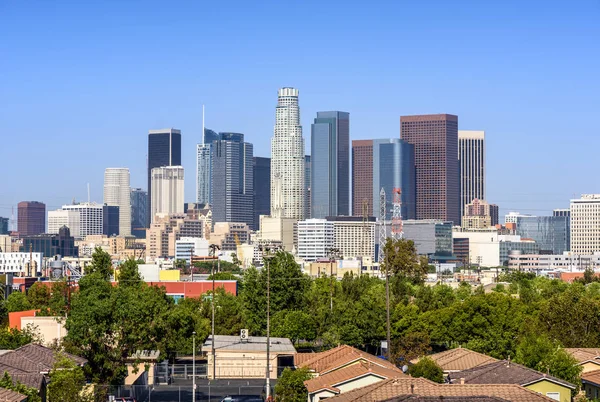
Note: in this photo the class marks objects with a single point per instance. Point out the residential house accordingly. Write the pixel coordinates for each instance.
(589, 358)
(507, 372)
(458, 359)
(6, 395)
(339, 357)
(590, 384)
(420, 389)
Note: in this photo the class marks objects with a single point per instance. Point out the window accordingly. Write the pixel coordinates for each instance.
(553, 395)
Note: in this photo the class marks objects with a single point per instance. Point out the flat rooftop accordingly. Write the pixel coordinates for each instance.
(253, 344)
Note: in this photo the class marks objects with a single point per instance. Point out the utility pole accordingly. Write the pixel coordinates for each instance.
(194, 366)
(387, 308)
(268, 252)
(333, 254)
(213, 251)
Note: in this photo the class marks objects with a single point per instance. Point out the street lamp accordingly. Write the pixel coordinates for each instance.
(194, 366)
(213, 253)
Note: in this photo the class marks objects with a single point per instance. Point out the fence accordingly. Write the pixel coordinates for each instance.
(166, 374)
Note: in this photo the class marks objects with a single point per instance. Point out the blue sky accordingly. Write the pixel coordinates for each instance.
(82, 82)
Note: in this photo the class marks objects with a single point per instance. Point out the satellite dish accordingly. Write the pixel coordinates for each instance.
(404, 368)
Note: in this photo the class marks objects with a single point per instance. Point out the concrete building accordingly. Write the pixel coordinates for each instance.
(186, 247)
(437, 173)
(551, 233)
(479, 214)
(5, 244)
(31, 218)
(91, 217)
(164, 149)
(316, 237)
(585, 224)
(3, 226)
(387, 164)
(511, 217)
(166, 230)
(139, 212)
(471, 156)
(354, 237)
(566, 261)
(21, 263)
(330, 162)
(262, 188)
(562, 212)
(228, 235)
(117, 192)
(232, 179)
(68, 218)
(167, 191)
(278, 231)
(288, 192)
(431, 237)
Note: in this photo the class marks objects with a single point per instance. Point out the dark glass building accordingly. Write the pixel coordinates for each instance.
(31, 219)
(3, 226)
(330, 160)
(164, 149)
(551, 233)
(50, 245)
(139, 212)
(110, 220)
(262, 188)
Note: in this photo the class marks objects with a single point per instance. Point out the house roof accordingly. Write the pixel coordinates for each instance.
(6, 395)
(32, 380)
(415, 398)
(459, 359)
(591, 377)
(324, 362)
(33, 358)
(334, 378)
(233, 343)
(505, 372)
(395, 389)
(584, 354)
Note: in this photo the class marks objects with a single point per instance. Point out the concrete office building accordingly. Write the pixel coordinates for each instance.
(262, 188)
(164, 149)
(31, 218)
(187, 247)
(6, 244)
(68, 218)
(432, 238)
(471, 156)
(139, 212)
(315, 238)
(330, 162)
(387, 164)
(551, 233)
(227, 235)
(566, 261)
(167, 191)
(164, 232)
(288, 192)
(3, 226)
(232, 179)
(51, 245)
(90, 218)
(479, 214)
(353, 237)
(435, 138)
(562, 212)
(278, 231)
(117, 192)
(512, 217)
(585, 224)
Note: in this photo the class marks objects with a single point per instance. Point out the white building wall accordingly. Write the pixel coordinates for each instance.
(90, 218)
(315, 239)
(185, 246)
(68, 218)
(585, 224)
(117, 191)
(484, 246)
(167, 190)
(355, 239)
(18, 262)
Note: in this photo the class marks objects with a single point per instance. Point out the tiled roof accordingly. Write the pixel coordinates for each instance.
(340, 356)
(33, 358)
(591, 377)
(415, 398)
(396, 388)
(584, 354)
(32, 380)
(6, 395)
(504, 372)
(336, 377)
(459, 359)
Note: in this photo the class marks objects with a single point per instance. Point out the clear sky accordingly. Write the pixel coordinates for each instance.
(82, 82)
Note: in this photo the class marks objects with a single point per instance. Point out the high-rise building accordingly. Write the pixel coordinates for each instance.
(31, 218)
(288, 192)
(117, 192)
(387, 163)
(164, 232)
(91, 217)
(435, 138)
(167, 191)
(232, 179)
(585, 224)
(59, 218)
(479, 214)
(50, 245)
(3, 226)
(204, 167)
(262, 188)
(471, 156)
(315, 238)
(111, 218)
(353, 236)
(561, 212)
(551, 233)
(330, 157)
(164, 149)
(139, 212)
(307, 185)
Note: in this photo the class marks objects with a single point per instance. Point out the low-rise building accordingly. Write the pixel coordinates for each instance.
(28, 264)
(354, 236)
(188, 247)
(228, 235)
(432, 238)
(566, 261)
(165, 230)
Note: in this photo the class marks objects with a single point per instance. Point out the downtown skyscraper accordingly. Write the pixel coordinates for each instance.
(204, 167)
(471, 156)
(330, 162)
(435, 138)
(117, 192)
(164, 149)
(288, 186)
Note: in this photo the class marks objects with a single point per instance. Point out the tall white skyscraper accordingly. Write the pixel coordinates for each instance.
(167, 190)
(471, 157)
(118, 192)
(287, 159)
(585, 224)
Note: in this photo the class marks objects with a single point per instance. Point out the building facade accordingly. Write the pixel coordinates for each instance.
(431, 237)
(512, 217)
(51, 245)
(204, 167)
(233, 179)
(139, 212)
(187, 247)
(3, 226)
(353, 236)
(288, 192)
(316, 237)
(111, 220)
(551, 233)
(479, 214)
(60, 218)
(164, 232)
(585, 224)
(330, 158)
(307, 185)
(435, 138)
(90, 218)
(262, 188)
(471, 156)
(167, 191)
(228, 235)
(164, 149)
(31, 218)
(117, 192)
(387, 164)
(21, 263)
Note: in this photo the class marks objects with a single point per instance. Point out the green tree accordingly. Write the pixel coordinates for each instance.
(31, 393)
(295, 325)
(410, 346)
(401, 259)
(183, 319)
(38, 296)
(58, 298)
(12, 338)
(129, 275)
(17, 301)
(427, 368)
(67, 382)
(101, 264)
(290, 386)
(223, 276)
(180, 264)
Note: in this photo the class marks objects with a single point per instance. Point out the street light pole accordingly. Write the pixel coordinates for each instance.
(213, 250)
(268, 252)
(194, 366)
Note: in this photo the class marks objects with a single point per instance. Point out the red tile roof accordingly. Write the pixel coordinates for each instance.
(333, 378)
(338, 357)
(459, 359)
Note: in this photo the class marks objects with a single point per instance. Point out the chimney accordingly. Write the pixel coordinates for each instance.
(462, 381)
(508, 361)
(412, 388)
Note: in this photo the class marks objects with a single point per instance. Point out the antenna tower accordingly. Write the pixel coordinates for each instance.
(397, 214)
(382, 228)
(366, 237)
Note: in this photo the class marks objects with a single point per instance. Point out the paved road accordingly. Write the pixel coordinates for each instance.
(181, 390)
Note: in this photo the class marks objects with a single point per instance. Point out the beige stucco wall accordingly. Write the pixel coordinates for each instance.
(49, 328)
(316, 397)
(590, 366)
(132, 377)
(243, 364)
(358, 383)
